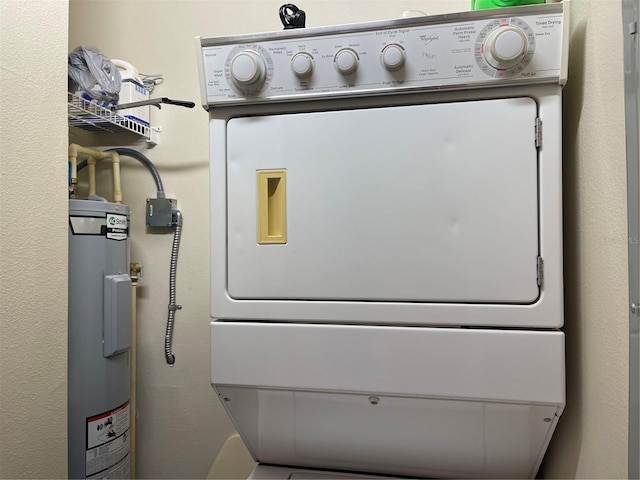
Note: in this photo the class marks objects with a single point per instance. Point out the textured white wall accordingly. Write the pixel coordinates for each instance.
(33, 239)
(591, 439)
(181, 425)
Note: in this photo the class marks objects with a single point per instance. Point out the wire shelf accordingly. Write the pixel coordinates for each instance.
(91, 116)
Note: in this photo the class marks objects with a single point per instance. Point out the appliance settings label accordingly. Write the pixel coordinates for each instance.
(108, 444)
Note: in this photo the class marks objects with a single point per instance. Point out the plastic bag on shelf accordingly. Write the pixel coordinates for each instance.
(93, 74)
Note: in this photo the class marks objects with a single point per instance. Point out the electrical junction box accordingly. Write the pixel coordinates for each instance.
(160, 212)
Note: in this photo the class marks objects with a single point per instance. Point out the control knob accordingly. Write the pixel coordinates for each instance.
(302, 65)
(247, 69)
(505, 47)
(392, 57)
(346, 61)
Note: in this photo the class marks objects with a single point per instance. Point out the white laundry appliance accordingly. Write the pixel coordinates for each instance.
(386, 242)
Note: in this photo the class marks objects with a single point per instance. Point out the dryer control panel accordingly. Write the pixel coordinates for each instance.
(445, 52)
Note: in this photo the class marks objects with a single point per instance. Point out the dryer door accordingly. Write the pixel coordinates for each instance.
(423, 203)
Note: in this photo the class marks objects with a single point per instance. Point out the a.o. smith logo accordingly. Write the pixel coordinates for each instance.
(117, 221)
(117, 228)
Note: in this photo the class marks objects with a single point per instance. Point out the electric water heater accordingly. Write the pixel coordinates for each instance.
(100, 334)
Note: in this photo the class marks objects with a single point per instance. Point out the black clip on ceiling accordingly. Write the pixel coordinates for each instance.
(291, 16)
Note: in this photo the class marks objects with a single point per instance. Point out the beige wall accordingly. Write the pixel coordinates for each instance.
(181, 425)
(591, 440)
(33, 239)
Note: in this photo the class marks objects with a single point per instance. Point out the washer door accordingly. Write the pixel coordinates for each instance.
(426, 203)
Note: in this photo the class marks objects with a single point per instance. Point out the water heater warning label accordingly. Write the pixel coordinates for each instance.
(117, 227)
(108, 444)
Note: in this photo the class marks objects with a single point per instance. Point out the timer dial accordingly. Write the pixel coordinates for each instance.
(505, 47)
(247, 69)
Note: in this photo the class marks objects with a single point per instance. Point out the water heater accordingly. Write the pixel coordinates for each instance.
(100, 335)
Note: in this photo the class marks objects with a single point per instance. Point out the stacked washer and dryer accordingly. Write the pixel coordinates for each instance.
(386, 243)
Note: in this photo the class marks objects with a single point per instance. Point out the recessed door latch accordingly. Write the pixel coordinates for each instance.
(635, 308)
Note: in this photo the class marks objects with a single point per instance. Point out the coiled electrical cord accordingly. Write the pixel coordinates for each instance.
(291, 16)
(151, 80)
(168, 337)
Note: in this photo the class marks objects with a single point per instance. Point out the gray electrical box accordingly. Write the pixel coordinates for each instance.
(160, 212)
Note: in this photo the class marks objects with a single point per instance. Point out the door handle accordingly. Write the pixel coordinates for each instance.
(272, 207)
